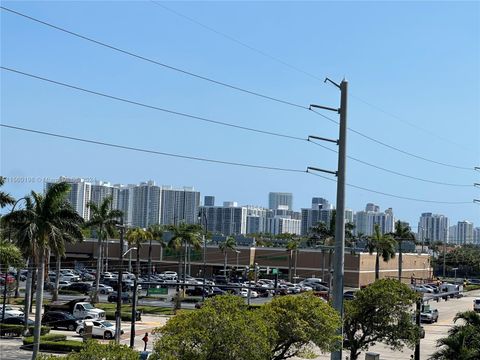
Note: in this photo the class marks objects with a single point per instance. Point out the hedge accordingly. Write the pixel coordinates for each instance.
(17, 330)
(63, 346)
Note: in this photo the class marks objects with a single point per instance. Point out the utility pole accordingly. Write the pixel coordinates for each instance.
(339, 255)
(118, 313)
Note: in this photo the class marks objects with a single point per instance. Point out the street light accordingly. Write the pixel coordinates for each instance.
(455, 270)
(237, 252)
(126, 252)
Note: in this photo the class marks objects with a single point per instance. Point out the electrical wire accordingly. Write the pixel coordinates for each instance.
(218, 83)
(392, 171)
(216, 161)
(129, 53)
(393, 195)
(393, 147)
(173, 112)
(118, 146)
(293, 67)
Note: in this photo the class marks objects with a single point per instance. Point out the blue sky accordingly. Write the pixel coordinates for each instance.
(418, 62)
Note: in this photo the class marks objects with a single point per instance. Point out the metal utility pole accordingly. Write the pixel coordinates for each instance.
(338, 263)
(118, 313)
(338, 267)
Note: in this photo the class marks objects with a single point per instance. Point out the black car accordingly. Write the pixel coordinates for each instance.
(197, 291)
(83, 288)
(216, 291)
(126, 298)
(59, 319)
(17, 320)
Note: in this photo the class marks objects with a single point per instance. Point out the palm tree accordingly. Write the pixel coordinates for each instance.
(383, 245)
(103, 219)
(463, 341)
(156, 233)
(402, 233)
(5, 198)
(185, 235)
(292, 248)
(49, 221)
(135, 238)
(230, 243)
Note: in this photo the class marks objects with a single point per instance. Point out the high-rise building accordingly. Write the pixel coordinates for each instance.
(78, 196)
(101, 189)
(146, 204)
(125, 202)
(209, 201)
(226, 220)
(452, 234)
(276, 199)
(433, 227)
(320, 203)
(476, 235)
(365, 221)
(179, 205)
(464, 232)
(311, 217)
(256, 219)
(283, 225)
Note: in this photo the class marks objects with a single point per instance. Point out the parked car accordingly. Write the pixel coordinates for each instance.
(429, 315)
(216, 291)
(17, 320)
(69, 277)
(10, 311)
(60, 319)
(126, 298)
(476, 305)
(102, 328)
(244, 293)
(349, 295)
(104, 289)
(197, 291)
(63, 283)
(83, 288)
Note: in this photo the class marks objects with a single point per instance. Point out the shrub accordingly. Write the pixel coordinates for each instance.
(17, 330)
(92, 350)
(49, 343)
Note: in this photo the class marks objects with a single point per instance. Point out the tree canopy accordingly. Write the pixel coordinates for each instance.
(380, 313)
(92, 350)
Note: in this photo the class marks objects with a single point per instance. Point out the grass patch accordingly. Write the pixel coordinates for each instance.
(145, 309)
(53, 343)
(471, 287)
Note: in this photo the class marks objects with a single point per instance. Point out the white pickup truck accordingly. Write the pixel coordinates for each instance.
(79, 308)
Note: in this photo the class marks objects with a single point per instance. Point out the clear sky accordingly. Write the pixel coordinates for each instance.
(417, 63)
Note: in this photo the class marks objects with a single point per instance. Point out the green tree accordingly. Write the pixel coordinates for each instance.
(135, 238)
(103, 219)
(156, 233)
(463, 341)
(383, 245)
(381, 312)
(222, 329)
(292, 248)
(5, 198)
(297, 322)
(402, 233)
(10, 255)
(49, 221)
(230, 243)
(92, 350)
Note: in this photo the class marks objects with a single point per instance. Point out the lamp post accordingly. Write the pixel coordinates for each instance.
(455, 271)
(118, 312)
(203, 216)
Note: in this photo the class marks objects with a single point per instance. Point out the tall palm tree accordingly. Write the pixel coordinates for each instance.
(49, 221)
(230, 243)
(135, 238)
(463, 341)
(292, 248)
(383, 245)
(103, 219)
(185, 235)
(402, 233)
(156, 233)
(5, 198)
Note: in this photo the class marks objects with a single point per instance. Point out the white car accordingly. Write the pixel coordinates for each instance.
(63, 283)
(10, 311)
(104, 289)
(244, 293)
(169, 275)
(69, 277)
(101, 328)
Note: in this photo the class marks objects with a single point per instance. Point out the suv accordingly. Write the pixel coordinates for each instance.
(476, 305)
(429, 315)
(83, 288)
(60, 319)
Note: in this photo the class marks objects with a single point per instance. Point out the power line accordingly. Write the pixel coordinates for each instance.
(393, 171)
(129, 53)
(131, 148)
(293, 67)
(393, 147)
(396, 196)
(125, 147)
(173, 112)
(215, 82)
(263, 53)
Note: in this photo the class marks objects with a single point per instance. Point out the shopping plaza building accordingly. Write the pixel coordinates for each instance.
(306, 262)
